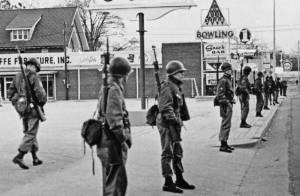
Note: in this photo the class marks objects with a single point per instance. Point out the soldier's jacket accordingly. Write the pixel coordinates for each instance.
(18, 85)
(267, 86)
(171, 107)
(116, 115)
(170, 101)
(225, 92)
(258, 85)
(277, 85)
(245, 85)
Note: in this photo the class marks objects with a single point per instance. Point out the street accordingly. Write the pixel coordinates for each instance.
(261, 169)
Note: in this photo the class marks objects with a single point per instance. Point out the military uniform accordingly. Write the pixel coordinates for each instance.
(30, 119)
(109, 149)
(169, 124)
(267, 92)
(277, 88)
(225, 97)
(259, 96)
(244, 97)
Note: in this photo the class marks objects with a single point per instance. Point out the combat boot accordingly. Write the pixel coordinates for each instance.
(229, 147)
(258, 114)
(37, 161)
(181, 183)
(224, 148)
(244, 124)
(169, 186)
(20, 162)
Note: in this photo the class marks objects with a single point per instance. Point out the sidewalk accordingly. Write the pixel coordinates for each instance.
(66, 171)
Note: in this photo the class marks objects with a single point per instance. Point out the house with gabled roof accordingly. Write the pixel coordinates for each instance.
(41, 33)
(41, 30)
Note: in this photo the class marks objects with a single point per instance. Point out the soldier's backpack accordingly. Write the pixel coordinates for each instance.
(21, 102)
(152, 114)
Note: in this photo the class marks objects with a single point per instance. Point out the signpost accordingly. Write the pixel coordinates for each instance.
(287, 65)
(245, 36)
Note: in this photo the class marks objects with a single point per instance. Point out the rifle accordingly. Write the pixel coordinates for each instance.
(30, 96)
(156, 68)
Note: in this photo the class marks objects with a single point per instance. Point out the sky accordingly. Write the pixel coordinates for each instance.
(256, 15)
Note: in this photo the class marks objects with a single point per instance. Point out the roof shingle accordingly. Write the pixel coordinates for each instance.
(48, 31)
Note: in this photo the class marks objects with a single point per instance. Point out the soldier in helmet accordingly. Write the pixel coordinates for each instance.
(258, 92)
(172, 111)
(30, 118)
(267, 92)
(244, 97)
(277, 88)
(115, 141)
(225, 97)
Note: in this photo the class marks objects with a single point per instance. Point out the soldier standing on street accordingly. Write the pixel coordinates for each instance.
(225, 97)
(272, 90)
(30, 119)
(259, 96)
(267, 89)
(277, 87)
(113, 148)
(284, 87)
(244, 97)
(172, 110)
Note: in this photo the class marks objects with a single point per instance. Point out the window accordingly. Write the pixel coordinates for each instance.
(20, 35)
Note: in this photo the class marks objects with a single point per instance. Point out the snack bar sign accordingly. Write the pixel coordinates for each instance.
(215, 50)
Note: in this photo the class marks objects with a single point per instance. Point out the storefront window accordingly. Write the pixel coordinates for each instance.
(48, 86)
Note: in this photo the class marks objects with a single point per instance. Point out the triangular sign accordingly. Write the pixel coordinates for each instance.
(214, 16)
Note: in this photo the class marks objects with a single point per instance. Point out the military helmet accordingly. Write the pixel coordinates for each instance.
(226, 66)
(247, 69)
(174, 67)
(119, 66)
(260, 74)
(35, 62)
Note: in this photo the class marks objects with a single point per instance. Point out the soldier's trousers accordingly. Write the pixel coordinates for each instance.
(114, 175)
(244, 100)
(171, 153)
(266, 98)
(276, 95)
(226, 114)
(259, 102)
(30, 129)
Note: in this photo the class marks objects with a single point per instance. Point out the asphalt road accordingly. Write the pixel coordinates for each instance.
(257, 170)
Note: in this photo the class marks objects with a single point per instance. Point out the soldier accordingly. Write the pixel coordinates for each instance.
(258, 92)
(30, 119)
(267, 90)
(244, 97)
(284, 87)
(172, 110)
(113, 148)
(225, 97)
(272, 90)
(277, 88)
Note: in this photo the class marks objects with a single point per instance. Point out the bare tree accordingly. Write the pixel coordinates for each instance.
(97, 26)
(7, 5)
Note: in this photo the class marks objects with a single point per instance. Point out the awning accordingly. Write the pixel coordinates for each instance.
(12, 73)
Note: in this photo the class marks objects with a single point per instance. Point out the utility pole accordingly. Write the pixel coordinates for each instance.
(274, 42)
(65, 61)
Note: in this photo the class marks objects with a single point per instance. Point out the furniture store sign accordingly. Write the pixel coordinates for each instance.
(73, 58)
(215, 34)
(215, 50)
(52, 59)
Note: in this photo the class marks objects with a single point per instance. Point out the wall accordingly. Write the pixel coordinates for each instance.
(189, 55)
